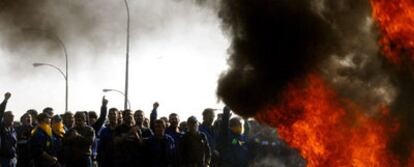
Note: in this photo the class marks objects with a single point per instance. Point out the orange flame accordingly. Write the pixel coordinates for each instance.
(329, 131)
(396, 22)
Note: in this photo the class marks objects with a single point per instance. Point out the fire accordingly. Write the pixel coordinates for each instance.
(396, 22)
(329, 131)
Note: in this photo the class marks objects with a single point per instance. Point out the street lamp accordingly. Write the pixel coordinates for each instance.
(56, 38)
(127, 55)
(65, 76)
(120, 92)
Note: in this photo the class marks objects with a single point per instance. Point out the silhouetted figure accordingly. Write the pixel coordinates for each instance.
(8, 136)
(139, 119)
(183, 127)
(106, 141)
(173, 129)
(24, 133)
(154, 115)
(97, 124)
(58, 130)
(78, 142)
(128, 143)
(160, 149)
(194, 150)
(232, 143)
(146, 122)
(34, 114)
(207, 128)
(68, 120)
(49, 111)
(42, 143)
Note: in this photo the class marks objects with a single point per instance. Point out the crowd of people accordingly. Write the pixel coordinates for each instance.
(124, 138)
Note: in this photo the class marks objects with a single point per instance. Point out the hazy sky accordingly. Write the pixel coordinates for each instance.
(177, 53)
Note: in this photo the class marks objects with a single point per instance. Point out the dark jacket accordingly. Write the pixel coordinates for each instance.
(210, 134)
(8, 137)
(128, 147)
(77, 149)
(44, 149)
(161, 152)
(233, 148)
(194, 150)
(23, 135)
(174, 134)
(106, 147)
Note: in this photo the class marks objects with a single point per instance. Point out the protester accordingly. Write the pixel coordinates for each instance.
(58, 130)
(173, 129)
(24, 133)
(183, 127)
(106, 143)
(78, 142)
(154, 115)
(48, 110)
(146, 123)
(42, 143)
(128, 142)
(139, 119)
(34, 114)
(8, 136)
(68, 120)
(95, 122)
(160, 148)
(233, 144)
(193, 149)
(207, 128)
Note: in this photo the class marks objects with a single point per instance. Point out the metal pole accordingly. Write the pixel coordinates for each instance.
(62, 45)
(127, 56)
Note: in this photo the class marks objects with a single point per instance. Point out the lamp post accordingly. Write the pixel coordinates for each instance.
(127, 55)
(56, 38)
(65, 76)
(120, 92)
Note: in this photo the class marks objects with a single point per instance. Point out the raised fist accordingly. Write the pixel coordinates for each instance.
(104, 101)
(155, 105)
(226, 110)
(7, 96)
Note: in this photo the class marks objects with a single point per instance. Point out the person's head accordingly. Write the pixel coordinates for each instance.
(68, 119)
(34, 114)
(120, 117)
(183, 126)
(165, 119)
(128, 118)
(92, 117)
(57, 125)
(146, 122)
(113, 116)
(192, 124)
(26, 119)
(139, 117)
(208, 116)
(159, 127)
(174, 120)
(48, 110)
(80, 119)
(236, 125)
(44, 118)
(8, 118)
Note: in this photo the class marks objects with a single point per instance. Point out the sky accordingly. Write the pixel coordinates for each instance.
(178, 52)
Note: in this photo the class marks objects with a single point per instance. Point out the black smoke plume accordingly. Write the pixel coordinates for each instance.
(272, 43)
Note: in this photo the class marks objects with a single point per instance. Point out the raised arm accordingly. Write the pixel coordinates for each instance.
(153, 115)
(102, 116)
(4, 104)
